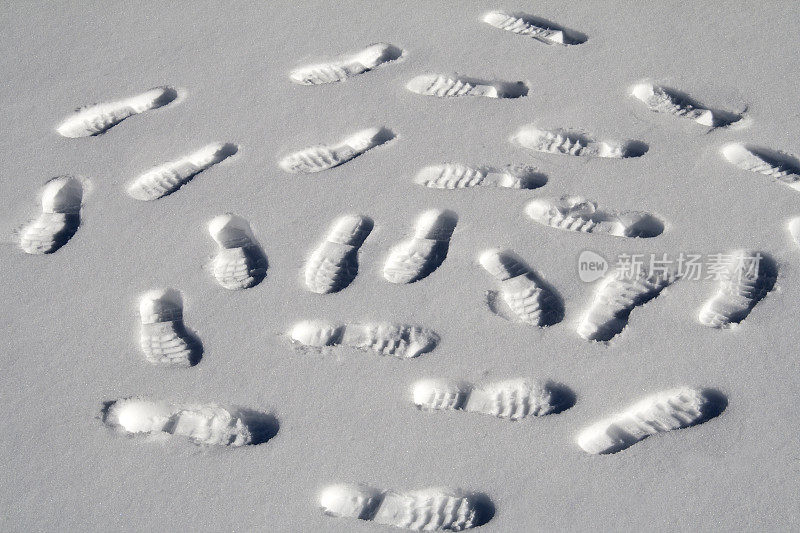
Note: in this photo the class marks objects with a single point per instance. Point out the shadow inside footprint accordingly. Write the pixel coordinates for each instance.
(262, 426)
(634, 149)
(716, 403)
(484, 508)
(169, 95)
(561, 397)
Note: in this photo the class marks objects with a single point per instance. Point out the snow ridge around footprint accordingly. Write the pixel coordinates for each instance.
(418, 257)
(62, 198)
(98, 118)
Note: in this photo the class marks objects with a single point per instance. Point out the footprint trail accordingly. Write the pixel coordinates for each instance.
(240, 262)
(433, 509)
(169, 177)
(59, 220)
(398, 340)
(421, 255)
(346, 66)
(96, 119)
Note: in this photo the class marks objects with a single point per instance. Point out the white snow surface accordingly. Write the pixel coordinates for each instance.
(70, 319)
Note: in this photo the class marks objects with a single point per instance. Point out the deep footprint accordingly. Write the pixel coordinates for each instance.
(62, 198)
(445, 86)
(204, 424)
(433, 509)
(240, 262)
(574, 143)
(418, 257)
(574, 213)
(458, 176)
(745, 281)
(322, 157)
(659, 413)
(98, 118)
(513, 399)
(169, 177)
(164, 339)
(528, 299)
(346, 66)
(333, 265)
(397, 340)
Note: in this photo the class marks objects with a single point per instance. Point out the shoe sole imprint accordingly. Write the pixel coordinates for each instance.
(513, 399)
(333, 265)
(746, 280)
(533, 27)
(660, 99)
(397, 340)
(528, 300)
(783, 167)
(433, 509)
(202, 424)
(346, 66)
(659, 413)
(98, 118)
(575, 213)
(420, 256)
(574, 143)
(164, 339)
(458, 176)
(61, 199)
(617, 295)
(165, 179)
(323, 157)
(240, 262)
(446, 86)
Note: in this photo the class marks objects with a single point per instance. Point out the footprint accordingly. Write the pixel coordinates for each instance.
(616, 296)
(433, 509)
(418, 257)
(533, 27)
(523, 293)
(169, 177)
(662, 99)
(98, 118)
(240, 262)
(747, 279)
(164, 339)
(566, 142)
(513, 399)
(60, 218)
(398, 340)
(200, 423)
(334, 264)
(575, 213)
(454, 85)
(322, 157)
(779, 165)
(665, 411)
(346, 66)
(458, 176)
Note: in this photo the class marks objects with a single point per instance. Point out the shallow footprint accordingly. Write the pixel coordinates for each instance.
(207, 424)
(169, 177)
(334, 264)
(443, 86)
(418, 257)
(433, 509)
(574, 213)
(659, 413)
(745, 281)
(322, 157)
(60, 218)
(781, 166)
(398, 340)
(458, 176)
(346, 66)
(240, 262)
(533, 27)
(574, 143)
(98, 118)
(527, 298)
(660, 99)
(164, 339)
(512, 399)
